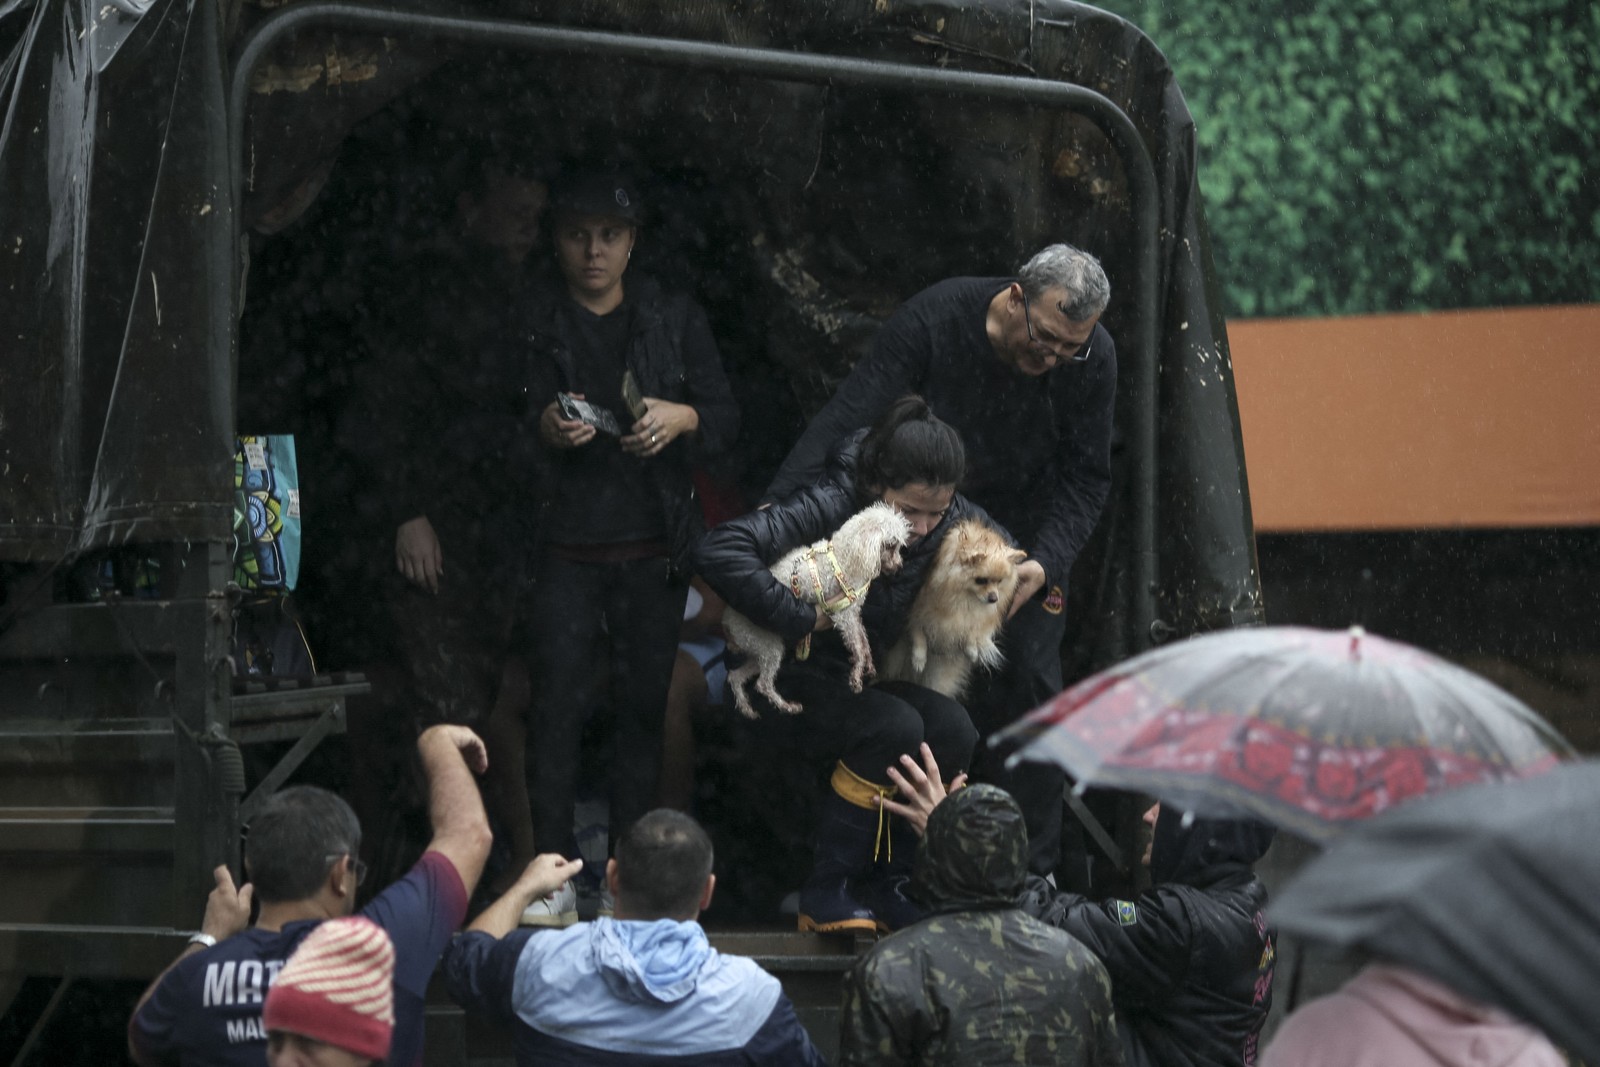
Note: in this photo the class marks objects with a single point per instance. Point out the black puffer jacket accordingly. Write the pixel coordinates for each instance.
(734, 558)
(1191, 959)
(977, 982)
(674, 357)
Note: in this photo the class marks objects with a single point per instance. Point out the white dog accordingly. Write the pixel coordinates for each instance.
(832, 575)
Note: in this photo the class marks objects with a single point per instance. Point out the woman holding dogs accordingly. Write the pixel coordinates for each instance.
(630, 382)
(913, 462)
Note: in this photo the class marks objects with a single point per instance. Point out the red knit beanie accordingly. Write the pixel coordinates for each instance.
(338, 988)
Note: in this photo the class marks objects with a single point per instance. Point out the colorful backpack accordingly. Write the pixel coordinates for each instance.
(266, 514)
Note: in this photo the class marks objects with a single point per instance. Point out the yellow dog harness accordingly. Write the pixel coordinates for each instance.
(819, 593)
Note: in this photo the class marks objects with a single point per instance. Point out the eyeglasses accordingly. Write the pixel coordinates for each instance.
(1054, 348)
(356, 865)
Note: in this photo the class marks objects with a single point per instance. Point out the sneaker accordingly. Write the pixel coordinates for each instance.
(558, 909)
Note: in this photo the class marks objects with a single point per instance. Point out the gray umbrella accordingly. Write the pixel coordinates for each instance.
(1493, 890)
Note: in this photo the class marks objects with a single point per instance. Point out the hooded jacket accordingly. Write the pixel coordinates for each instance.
(977, 982)
(1192, 958)
(1388, 1015)
(734, 558)
(613, 993)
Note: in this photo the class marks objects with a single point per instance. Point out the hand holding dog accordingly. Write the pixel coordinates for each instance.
(1030, 579)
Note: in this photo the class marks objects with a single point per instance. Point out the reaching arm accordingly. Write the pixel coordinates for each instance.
(227, 913)
(450, 756)
(734, 558)
(897, 365)
(1144, 943)
(546, 874)
(1082, 479)
(480, 966)
(706, 386)
(922, 787)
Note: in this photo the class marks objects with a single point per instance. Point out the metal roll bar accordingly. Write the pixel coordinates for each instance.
(818, 69)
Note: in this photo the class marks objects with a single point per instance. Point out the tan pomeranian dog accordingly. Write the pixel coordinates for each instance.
(958, 612)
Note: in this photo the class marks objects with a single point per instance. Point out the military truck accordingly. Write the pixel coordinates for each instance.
(816, 165)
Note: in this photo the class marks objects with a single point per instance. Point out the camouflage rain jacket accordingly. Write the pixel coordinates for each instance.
(977, 982)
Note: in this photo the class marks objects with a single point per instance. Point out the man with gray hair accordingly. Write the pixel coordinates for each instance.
(1022, 368)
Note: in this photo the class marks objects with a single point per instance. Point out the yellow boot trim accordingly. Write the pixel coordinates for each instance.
(862, 793)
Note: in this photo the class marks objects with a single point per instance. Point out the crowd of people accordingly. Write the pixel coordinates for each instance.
(554, 513)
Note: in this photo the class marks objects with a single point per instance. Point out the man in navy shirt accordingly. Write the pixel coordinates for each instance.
(301, 860)
(1023, 370)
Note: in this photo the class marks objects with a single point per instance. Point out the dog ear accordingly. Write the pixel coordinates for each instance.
(1017, 555)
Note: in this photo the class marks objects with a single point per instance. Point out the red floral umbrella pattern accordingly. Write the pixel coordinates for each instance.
(1306, 729)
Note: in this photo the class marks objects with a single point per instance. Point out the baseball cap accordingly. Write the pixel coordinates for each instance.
(596, 192)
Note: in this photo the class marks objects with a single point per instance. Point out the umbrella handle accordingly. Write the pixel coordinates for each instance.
(1096, 830)
(1296, 973)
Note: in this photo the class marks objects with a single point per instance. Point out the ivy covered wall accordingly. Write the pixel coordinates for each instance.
(1391, 155)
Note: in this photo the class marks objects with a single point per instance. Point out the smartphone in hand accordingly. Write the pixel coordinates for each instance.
(633, 397)
(582, 411)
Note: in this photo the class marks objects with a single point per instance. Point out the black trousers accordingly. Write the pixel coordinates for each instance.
(455, 642)
(639, 609)
(867, 731)
(1031, 676)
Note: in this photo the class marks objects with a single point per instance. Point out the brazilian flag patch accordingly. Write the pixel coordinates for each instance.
(1127, 912)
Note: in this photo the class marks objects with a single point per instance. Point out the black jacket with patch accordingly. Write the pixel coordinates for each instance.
(1192, 959)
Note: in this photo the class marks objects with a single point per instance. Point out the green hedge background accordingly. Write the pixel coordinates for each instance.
(1391, 155)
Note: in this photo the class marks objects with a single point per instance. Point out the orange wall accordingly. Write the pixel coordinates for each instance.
(1440, 419)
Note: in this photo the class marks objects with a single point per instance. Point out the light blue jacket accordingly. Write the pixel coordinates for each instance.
(625, 993)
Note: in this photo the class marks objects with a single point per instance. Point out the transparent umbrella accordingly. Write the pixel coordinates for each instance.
(1305, 729)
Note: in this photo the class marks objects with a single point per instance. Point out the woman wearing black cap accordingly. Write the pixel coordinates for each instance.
(618, 514)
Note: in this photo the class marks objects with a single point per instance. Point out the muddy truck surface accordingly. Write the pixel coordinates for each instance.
(203, 210)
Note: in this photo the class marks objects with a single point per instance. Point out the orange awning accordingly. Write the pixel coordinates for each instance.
(1441, 419)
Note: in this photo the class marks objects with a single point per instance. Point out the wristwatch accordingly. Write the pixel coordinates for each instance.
(203, 939)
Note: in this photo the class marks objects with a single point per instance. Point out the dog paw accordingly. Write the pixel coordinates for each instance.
(791, 709)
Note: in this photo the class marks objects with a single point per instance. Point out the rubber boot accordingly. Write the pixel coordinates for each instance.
(884, 889)
(847, 835)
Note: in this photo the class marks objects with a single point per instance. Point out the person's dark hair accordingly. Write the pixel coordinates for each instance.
(909, 444)
(663, 861)
(294, 841)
